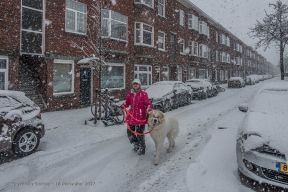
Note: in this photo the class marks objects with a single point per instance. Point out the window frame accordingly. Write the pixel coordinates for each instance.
(124, 75)
(110, 26)
(142, 2)
(204, 28)
(71, 62)
(5, 71)
(193, 45)
(182, 44)
(182, 18)
(141, 34)
(163, 4)
(144, 72)
(194, 22)
(204, 50)
(33, 31)
(164, 42)
(75, 11)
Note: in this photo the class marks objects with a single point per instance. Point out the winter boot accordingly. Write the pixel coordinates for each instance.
(136, 147)
(141, 151)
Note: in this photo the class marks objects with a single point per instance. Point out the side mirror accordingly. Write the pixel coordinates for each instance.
(243, 107)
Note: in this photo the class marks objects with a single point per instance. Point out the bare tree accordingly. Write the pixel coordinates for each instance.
(273, 30)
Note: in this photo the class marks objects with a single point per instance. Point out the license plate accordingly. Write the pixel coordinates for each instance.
(282, 167)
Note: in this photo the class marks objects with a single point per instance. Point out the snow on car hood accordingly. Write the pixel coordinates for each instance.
(159, 90)
(267, 119)
(268, 129)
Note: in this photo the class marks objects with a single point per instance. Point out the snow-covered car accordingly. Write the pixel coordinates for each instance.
(262, 142)
(202, 88)
(250, 80)
(236, 82)
(166, 95)
(261, 77)
(21, 126)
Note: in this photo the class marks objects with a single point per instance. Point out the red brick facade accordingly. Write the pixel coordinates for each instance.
(60, 45)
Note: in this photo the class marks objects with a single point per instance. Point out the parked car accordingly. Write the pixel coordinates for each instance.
(236, 82)
(261, 77)
(167, 95)
(202, 88)
(262, 137)
(21, 126)
(250, 80)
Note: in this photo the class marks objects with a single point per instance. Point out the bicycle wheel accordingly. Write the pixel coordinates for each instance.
(118, 115)
(101, 114)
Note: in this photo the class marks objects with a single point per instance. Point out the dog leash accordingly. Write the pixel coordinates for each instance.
(125, 112)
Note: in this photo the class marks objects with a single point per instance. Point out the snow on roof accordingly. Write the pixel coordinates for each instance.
(266, 120)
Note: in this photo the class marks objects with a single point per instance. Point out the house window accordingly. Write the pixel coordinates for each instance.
(182, 46)
(161, 40)
(191, 73)
(113, 76)
(193, 21)
(217, 56)
(179, 72)
(149, 3)
(114, 25)
(144, 34)
(3, 73)
(32, 27)
(76, 17)
(63, 80)
(216, 39)
(228, 58)
(182, 18)
(203, 51)
(221, 75)
(161, 8)
(144, 73)
(193, 46)
(202, 73)
(204, 29)
(165, 73)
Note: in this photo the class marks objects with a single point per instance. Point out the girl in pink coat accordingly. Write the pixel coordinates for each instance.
(139, 103)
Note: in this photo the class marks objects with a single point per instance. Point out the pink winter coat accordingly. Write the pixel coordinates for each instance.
(139, 105)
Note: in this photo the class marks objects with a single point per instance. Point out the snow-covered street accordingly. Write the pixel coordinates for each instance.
(77, 157)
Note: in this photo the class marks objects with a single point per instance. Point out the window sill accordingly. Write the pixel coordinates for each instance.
(143, 45)
(163, 17)
(118, 40)
(162, 50)
(64, 95)
(76, 34)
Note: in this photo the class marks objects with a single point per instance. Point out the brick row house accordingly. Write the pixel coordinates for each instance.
(44, 46)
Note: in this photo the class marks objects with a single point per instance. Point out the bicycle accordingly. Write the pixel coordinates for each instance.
(110, 111)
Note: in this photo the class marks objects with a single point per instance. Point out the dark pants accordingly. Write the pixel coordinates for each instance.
(138, 140)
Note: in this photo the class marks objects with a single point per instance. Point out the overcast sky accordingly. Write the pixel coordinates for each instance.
(238, 16)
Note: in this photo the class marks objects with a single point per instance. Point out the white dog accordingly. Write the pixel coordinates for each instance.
(162, 126)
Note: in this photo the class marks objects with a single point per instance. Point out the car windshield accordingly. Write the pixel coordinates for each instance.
(158, 90)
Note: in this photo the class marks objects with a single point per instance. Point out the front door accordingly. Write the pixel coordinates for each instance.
(85, 86)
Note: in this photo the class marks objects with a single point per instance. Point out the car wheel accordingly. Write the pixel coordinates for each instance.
(166, 106)
(25, 143)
